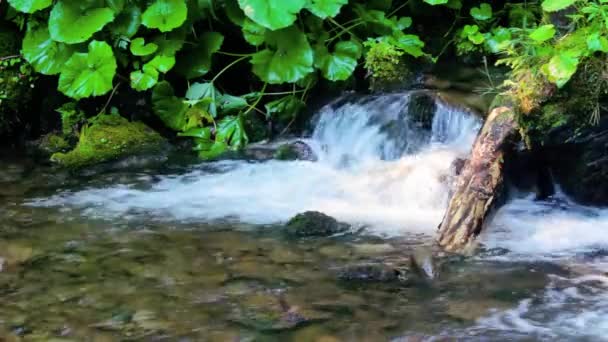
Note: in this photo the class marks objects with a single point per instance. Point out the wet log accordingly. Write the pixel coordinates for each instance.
(480, 184)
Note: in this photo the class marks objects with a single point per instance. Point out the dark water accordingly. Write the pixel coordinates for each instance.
(69, 277)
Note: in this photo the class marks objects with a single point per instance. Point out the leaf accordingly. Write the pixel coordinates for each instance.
(127, 22)
(162, 63)
(284, 109)
(482, 13)
(561, 67)
(89, 74)
(339, 65)
(436, 2)
(229, 104)
(230, 130)
(197, 62)
(498, 40)
(402, 23)
(253, 33)
(543, 33)
(272, 14)
(556, 5)
(198, 91)
(30, 6)
(288, 57)
(325, 8)
(140, 48)
(169, 108)
(70, 23)
(45, 55)
(595, 42)
(408, 43)
(116, 5)
(144, 80)
(165, 15)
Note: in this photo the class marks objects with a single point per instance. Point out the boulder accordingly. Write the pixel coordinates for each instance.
(110, 137)
(368, 273)
(314, 224)
(291, 150)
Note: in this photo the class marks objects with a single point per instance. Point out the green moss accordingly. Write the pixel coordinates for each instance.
(107, 138)
(385, 64)
(53, 143)
(286, 152)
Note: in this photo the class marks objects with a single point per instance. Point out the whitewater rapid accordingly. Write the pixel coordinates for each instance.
(376, 167)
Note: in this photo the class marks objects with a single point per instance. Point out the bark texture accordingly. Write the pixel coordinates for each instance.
(480, 184)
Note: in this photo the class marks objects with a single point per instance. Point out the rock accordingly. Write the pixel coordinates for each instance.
(421, 109)
(314, 223)
(580, 163)
(369, 273)
(481, 182)
(110, 137)
(294, 150)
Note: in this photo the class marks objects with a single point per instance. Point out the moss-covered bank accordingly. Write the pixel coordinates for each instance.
(109, 137)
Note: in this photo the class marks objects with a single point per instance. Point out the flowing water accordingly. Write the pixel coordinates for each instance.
(199, 251)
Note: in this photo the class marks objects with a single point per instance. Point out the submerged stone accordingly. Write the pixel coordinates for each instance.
(107, 138)
(314, 223)
(369, 273)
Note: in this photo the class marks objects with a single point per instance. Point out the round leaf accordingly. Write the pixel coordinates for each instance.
(556, 5)
(272, 14)
(543, 33)
(288, 57)
(483, 12)
(162, 63)
(595, 42)
(46, 55)
(127, 22)
(30, 6)
(165, 15)
(169, 108)
(326, 8)
(70, 23)
(340, 65)
(561, 67)
(140, 48)
(89, 74)
(253, 33)
(144, 80)
(436, 2)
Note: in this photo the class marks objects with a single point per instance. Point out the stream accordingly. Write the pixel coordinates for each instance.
(197, 251)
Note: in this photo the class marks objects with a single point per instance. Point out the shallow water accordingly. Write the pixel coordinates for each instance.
(199, 252)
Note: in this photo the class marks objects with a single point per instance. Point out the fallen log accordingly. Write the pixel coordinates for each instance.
(480, 183)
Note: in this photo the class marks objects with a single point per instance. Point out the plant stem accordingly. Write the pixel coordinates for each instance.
(110, 98)
(284, 93)
(331, 20)
(9, 57)
(253, 106)
(347, 30)
(398, 8)
(228, 67)
(235, 54)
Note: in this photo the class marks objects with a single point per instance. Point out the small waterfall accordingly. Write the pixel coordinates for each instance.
(380, 164)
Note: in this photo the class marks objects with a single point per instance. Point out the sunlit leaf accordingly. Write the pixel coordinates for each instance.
(44, 54)
(272, 14)
(482, 13)
(72, 23)
(339, 65)
(325, 8)
(543, 33)
(165, 15)
(140, 48)
(30, 6)
(556, 5)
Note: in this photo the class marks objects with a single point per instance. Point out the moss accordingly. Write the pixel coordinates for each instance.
(53, 143)
(286, 152)
(108, 138)
(386, 65)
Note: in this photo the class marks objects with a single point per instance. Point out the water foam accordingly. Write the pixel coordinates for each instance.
(377, 166)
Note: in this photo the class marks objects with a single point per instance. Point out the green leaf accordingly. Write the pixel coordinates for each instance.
(339, 65)
(408, 43)
(127, 23)
(284, 109)
(436, 2)
(116, 5)
(198, 91)
(288, 57)
(30, 6)
(230, 130)
(543, 33)
(165, 15)
(162, 63)
(561, 67)
(253, 33)
(70, 23)
(498, 39)
(144, 80)
(272, 14)
(229, 104)
(169, 108)
(325, 8)
(402, 23)
(556, 5)
(45, 55)
(89, 74)
(595, 42)
(140, 48)
(196, 62)
(482, 13)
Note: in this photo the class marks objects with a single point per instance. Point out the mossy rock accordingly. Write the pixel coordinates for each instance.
(315, 224)
(108, 138)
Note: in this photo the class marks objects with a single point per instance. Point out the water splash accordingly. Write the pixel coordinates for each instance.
(377, 166)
